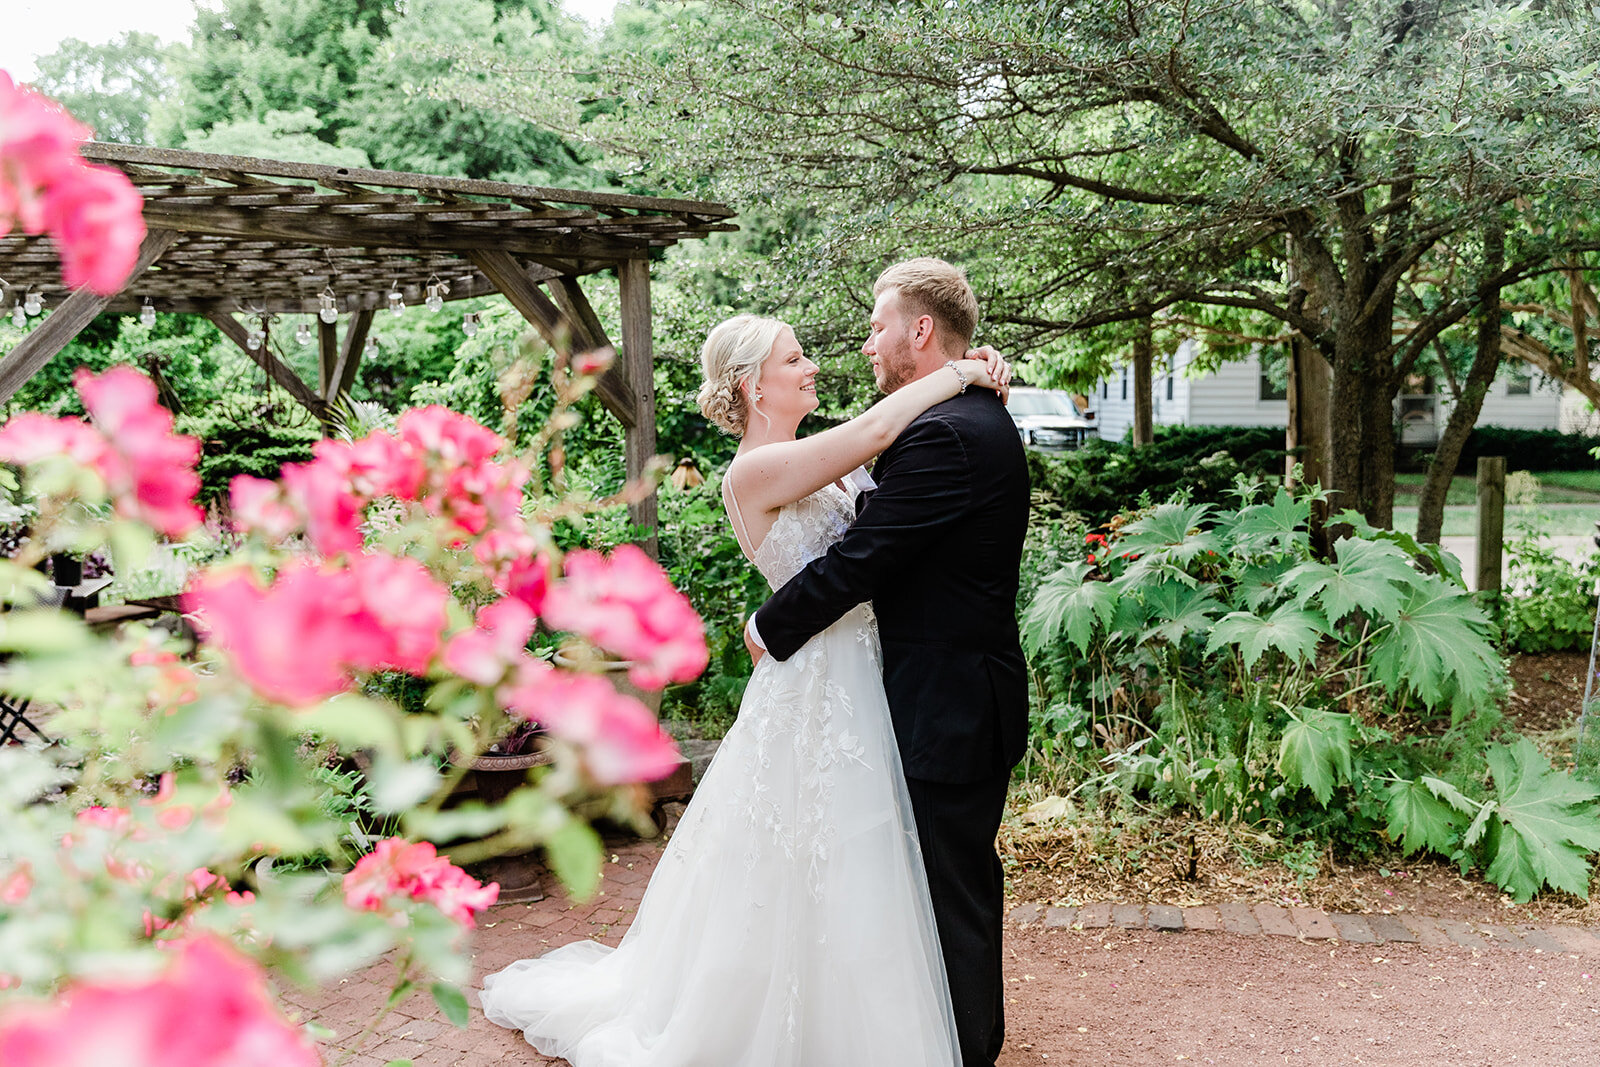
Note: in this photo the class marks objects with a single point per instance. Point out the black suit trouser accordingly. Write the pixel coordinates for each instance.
(956, 826)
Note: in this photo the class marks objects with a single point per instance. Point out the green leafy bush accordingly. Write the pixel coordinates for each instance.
(1102, 479)
(1549, 604)
(1228, 671)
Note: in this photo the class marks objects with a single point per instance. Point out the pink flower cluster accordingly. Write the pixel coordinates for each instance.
(297, 640)
(627, 605)
(618, 738)
(209, 1008)
(443, 460)
(398, 870)
(148, 471)
(93, 214)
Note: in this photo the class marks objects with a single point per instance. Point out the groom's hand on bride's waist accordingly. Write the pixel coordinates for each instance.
(752, 641)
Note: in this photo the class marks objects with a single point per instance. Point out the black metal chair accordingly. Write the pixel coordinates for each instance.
(14, 719)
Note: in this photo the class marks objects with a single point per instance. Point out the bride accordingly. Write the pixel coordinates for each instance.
(788, 922)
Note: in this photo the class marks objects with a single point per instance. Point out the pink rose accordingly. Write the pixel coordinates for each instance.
(398, 870)
(258, 506)
(401, 605)
(149, 470)
(627, 605)
(618, 738)
(484, 653)
(208, 1008)
(31, 438)
(320, 492)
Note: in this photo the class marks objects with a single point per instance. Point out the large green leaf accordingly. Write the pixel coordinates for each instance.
(1316, 751)
(1065, 602)
(1169, 537)
(1544, 826)
(1261, 584)
(1442, 562)
(1370, 576)
(1292, 630)
(1278, 525)
(1419, 818)
(1435, 646)
(1174, 609)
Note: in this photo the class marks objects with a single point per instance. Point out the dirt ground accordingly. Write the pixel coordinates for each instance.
(1118, 998)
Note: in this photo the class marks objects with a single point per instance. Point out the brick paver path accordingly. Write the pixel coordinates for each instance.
(508, 932)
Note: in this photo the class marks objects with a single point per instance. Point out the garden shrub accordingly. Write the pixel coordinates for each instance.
(1225, 670)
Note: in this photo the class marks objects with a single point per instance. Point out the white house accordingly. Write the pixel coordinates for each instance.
(1242, 393)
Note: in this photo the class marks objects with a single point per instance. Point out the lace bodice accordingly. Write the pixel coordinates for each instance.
(803, 531)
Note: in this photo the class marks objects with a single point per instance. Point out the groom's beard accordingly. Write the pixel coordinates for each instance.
(894, 371)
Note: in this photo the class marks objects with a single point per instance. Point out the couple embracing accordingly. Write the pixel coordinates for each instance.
(832, 896)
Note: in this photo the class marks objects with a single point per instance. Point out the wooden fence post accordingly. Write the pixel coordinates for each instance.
(1491, 520)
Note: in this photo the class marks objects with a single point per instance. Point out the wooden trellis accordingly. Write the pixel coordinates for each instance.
(230, 234)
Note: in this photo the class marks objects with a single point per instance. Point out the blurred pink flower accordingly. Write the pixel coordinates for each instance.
(627, 605)
(331, 512)
(456, 439)
(208, 1008)
(617, 737)
(484, 653)
(149, 470)
(92, 213)
(382, 465)
(398, 869)
(291, 641)
(29, 437)
(15, 887)
(402, 609)
(258, 506)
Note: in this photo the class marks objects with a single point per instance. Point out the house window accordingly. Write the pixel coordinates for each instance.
(1124, 383)
(1170, 376)
(1519, 384)
(1105, 390)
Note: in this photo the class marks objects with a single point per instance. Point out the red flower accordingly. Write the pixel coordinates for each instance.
(1091, 557)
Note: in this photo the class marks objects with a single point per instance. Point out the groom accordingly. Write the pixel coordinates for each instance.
(936, 548)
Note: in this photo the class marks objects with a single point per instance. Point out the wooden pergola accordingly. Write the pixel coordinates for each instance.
(230, 234)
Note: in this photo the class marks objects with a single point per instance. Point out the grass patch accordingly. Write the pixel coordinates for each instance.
(1555, 487)
(1557, 520)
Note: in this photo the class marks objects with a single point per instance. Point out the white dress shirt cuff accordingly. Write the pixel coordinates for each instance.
(755, 635)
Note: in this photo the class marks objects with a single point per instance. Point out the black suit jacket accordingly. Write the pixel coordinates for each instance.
(936, 548)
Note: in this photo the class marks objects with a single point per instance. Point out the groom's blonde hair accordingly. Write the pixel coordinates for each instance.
(929, 286)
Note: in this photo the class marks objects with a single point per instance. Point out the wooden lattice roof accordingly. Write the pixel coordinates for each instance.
(269, 236)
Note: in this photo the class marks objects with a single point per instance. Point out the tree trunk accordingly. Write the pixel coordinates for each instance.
(1310, 391)
(1361, 415)
(1464, 416)
(1143, 389)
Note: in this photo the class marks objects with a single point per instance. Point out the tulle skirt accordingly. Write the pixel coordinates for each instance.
(788, 922)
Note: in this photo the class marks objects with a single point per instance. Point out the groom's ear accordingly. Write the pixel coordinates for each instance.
(922, 332)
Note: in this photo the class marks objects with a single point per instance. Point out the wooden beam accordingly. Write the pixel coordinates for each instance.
(638, 359)
(575, 305)
(68, 320)
(344, 371)
(235, 331)
(559, 332)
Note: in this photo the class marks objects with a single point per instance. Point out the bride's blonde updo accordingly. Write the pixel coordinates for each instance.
(731, 356)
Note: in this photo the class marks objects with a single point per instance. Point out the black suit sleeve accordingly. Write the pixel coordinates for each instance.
(924, 484)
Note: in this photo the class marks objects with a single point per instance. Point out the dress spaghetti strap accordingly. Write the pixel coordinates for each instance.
(741, 532)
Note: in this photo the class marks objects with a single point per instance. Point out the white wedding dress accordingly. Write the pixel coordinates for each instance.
(788, 922)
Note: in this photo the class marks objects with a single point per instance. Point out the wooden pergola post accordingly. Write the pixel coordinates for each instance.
(638, 361)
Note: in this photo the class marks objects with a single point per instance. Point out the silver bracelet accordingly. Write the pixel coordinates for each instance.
(962, 378)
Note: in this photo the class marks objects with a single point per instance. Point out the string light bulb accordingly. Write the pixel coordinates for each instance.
(469, 323)
(252, 340)
(147, 313)
(302, 334)
(397, 301)
(329, 311)
(19, 318)
(34, 303)
(370, 349)
(437, 291)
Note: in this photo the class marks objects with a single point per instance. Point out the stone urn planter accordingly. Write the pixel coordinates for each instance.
(491, 778)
